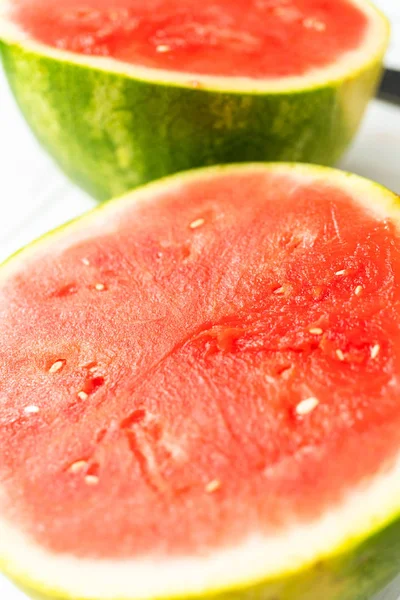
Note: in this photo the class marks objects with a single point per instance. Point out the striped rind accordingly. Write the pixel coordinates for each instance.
(111, 130)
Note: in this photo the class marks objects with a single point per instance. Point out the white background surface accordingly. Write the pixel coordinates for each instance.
(36, 197)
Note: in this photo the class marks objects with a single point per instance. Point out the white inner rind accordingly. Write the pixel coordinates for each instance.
(366, 509)
(371, 51)
(256, 559)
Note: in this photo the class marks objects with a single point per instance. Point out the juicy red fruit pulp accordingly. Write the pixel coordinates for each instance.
(206, 367)
(246, 38)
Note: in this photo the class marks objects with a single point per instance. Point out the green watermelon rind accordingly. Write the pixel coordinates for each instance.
(356, 572)
(360, 566)
(111, 131)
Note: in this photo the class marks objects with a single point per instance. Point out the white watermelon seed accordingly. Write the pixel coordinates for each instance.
(82, 395)
(31, 410)
(213, 486)
(163, 48)
(197, 223)
(342, 272)
(78, 466)
(279, 291)
(375, 351)
(340, 354)
(91, 479)
(57, 366)
(358, 290)
(316, 331)
(86, 262)
(307, 406)
(312, 23)
(100, 287)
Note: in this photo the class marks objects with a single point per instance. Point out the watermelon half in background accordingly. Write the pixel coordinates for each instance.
(126, 92)
(199, 393)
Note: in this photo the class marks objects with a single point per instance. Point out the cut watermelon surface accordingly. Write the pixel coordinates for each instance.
(224, 38)
(126, 92)
(200, 391)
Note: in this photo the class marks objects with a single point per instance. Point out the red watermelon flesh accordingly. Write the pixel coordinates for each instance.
(243, 38)
(218, 356)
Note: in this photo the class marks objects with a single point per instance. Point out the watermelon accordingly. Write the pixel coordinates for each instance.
(125, 92)
(200, 390)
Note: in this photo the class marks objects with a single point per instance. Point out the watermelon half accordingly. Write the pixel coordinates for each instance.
(199, 393)
(128, 91)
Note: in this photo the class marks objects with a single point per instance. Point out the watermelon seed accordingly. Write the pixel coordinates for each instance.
(82, 395)
(90, 366)
(86, 262)
(77, 466)
(315, 24)
(279, 291)
(342, 272)
(282, 370)
(31, 410)
(316, 331)
(340, 354)
(100, 287)
(358, 290)
(213, 486)
(307, 406)
(57, 366)
(163, 48)
(91, 479)
(197, 223)
(92, 474)
(375, 351)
